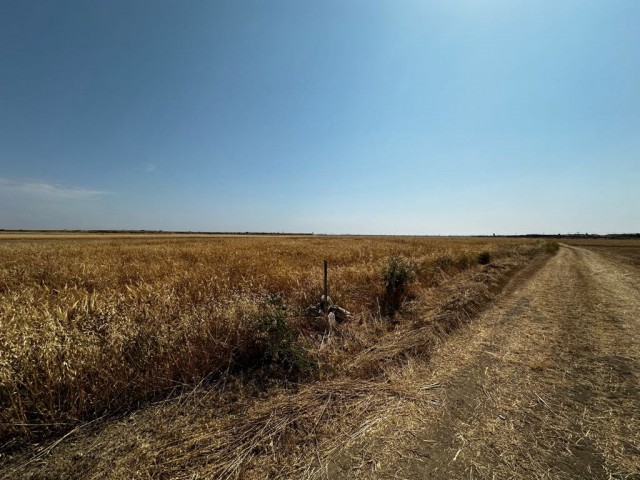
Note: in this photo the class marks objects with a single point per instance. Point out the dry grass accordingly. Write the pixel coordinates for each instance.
(543, 385)
(94, 326)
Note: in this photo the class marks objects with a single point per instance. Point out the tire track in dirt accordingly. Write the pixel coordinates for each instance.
(544, 384)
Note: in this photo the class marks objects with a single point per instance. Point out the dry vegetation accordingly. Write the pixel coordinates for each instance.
(95, 326)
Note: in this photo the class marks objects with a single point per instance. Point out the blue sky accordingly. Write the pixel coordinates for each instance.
(390, 117)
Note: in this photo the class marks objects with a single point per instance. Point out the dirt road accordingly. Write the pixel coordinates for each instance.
(545, 384)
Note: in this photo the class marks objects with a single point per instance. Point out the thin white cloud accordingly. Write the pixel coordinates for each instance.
(150, 167)
(48, 190)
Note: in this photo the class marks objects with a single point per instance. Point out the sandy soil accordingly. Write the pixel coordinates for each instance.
(545, 384)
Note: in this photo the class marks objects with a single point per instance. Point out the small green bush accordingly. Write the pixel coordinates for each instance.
(397, 275)
(278, 340)
(484, 258)
(551, 246)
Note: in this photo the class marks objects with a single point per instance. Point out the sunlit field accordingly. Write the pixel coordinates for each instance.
(91, 326)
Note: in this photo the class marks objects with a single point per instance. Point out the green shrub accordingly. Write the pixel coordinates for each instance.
(484, 258)
(551, 246)
(278, 341)
(397, 275)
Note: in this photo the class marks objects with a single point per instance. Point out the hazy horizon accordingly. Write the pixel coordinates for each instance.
(358, 117)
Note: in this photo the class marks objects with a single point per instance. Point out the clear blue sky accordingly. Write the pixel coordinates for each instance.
(392, 117)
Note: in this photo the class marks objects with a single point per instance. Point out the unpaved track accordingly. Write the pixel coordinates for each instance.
(545, 384)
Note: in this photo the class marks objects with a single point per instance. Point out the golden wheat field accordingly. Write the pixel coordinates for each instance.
(91, 326)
